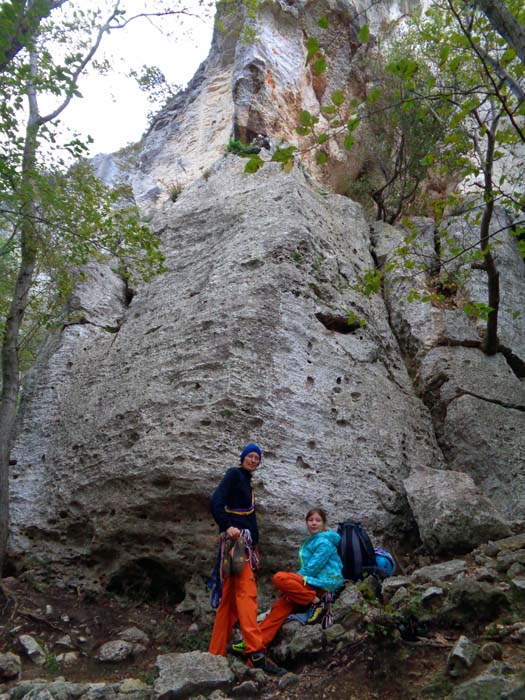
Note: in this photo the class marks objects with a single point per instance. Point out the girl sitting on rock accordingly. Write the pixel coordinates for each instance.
(320, 570)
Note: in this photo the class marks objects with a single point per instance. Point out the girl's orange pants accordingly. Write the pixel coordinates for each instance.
(294, 592)
(238, 602)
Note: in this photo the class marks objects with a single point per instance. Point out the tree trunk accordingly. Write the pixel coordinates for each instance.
(505, 24)
(24, 282)
(11, 385)
(491, 342)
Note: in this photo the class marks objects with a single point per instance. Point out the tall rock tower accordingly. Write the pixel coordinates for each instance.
(134, 410)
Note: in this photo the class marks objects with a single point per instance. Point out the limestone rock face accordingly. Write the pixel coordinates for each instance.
(478, 404)
(477, 401)
(136, 408)
(245, 337)
(246, 88)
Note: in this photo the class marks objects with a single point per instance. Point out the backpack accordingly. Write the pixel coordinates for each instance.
(356, 551)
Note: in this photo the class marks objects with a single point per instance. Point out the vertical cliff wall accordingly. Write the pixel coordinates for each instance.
(132, 414)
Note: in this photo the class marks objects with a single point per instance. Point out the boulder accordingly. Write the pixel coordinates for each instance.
(10, 666)
(135, 636)
(32, 649)
(477, 404)
(444, 571)
(452, 514)
(461, 657)
(497, 681)
(182, 675)
(115, 650)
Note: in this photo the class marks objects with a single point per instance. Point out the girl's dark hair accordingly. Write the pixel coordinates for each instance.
(320, 512)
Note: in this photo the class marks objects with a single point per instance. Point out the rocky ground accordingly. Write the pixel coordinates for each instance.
(453, 630)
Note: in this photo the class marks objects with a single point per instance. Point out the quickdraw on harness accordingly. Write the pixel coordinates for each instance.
(215, 583)
(327, 619)
(217, 575)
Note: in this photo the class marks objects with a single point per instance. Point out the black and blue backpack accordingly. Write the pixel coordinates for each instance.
(358, 555)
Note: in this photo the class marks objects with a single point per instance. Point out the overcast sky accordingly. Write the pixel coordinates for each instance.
(113, 109)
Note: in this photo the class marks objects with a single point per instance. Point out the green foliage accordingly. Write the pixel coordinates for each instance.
(152, 81)
(253, 165)
(150, 676)
(370, 282)
(364, 34)
(55, 215)
(285, 156)
(296, 256)
(354, 320)
(51, 663)
(174, 190)
(312, 47)
(240, 149)
(237, 18)
(477, 309)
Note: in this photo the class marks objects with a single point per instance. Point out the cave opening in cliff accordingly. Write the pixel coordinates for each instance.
(338, 323)
(147, 579)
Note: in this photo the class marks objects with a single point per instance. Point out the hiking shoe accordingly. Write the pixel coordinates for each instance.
(239, 648)
(260, 660)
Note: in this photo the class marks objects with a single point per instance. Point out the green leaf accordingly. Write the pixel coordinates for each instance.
(364, 34)
(338, 98)
(373, 95)
(288, 165)
(281, 155)
(353, 124)
(323, 138)
(253, 164)
(319, 66)
(454, 63)
(312, 47)
(305, 118)
(321, 157)
(303, 130)
(370, 282)
(443, 54)
(328, 109)
(323, 22)
(348, 142)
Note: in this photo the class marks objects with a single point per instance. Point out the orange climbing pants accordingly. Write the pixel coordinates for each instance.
(294, 592)
(238, 602)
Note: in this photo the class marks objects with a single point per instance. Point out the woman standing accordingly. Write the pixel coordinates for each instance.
(233, 508)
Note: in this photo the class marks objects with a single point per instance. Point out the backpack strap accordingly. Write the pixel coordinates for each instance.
(356, 549)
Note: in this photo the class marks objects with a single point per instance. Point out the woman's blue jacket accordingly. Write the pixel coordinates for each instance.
(319, 561)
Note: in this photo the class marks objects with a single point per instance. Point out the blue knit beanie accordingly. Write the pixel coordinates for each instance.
(251, 447)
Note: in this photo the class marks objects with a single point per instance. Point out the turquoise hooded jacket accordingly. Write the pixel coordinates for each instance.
(319, 561)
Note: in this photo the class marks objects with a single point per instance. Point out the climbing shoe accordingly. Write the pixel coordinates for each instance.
(260, 660)
(239, 648)
(316, 610)
(233, 556)
(238, 556)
